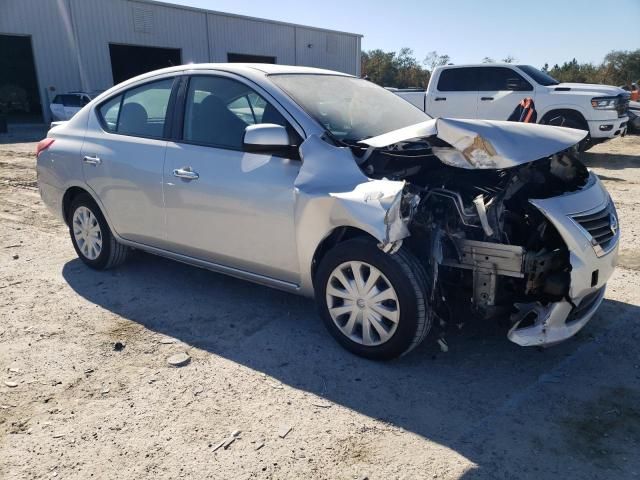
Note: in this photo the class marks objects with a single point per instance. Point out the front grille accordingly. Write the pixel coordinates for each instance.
(601, 225)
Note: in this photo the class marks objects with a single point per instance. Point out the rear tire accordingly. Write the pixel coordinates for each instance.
(91, 236)
(373, 303)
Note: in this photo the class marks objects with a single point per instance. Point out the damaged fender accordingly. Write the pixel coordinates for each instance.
(331, 191)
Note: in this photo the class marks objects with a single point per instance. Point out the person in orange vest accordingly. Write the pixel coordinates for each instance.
(525, 112)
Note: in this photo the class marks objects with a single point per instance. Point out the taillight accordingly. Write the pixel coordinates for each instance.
(43, 145)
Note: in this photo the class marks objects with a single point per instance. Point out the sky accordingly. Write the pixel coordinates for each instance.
(534, 32)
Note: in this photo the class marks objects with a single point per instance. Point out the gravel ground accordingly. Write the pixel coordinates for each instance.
(72, 405)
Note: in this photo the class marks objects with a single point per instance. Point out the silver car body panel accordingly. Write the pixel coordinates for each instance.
(553, 323)
(268, 227)
(489, 144)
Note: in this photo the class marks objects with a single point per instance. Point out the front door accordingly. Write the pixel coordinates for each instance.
(225, 205)
(123, 155)
(501, 90)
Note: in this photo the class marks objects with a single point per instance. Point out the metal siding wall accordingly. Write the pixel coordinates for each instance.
(55, 25)
(239, 35)
(334, 51)
(170, 28)
(49, 26)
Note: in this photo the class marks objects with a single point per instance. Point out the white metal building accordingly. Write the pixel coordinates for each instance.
(57, 46)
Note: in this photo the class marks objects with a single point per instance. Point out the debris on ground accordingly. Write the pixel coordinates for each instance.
(179, 360)
(226, 443)
(118, 346)
(10, 384)
(284, 430)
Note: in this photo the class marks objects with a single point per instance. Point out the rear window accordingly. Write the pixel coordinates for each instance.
(459, 80)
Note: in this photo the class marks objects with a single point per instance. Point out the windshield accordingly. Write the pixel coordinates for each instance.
(539, 76)
(350, 108)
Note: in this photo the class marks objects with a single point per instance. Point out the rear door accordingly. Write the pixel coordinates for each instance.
(456, 94)
(225, 205)
(123, 156)
(501, 90)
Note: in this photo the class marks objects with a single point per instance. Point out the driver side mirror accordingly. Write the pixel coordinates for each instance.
(267, 138)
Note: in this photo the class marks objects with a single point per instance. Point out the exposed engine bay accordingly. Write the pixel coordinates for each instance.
(485, 247)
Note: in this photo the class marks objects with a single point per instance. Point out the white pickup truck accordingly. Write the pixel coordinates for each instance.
(493, 91)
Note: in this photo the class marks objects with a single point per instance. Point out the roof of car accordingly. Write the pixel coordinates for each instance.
(267, 68)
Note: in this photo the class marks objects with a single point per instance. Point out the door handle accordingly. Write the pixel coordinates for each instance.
(186, 173)
(440, 99)
(484, 99)
(92, 160)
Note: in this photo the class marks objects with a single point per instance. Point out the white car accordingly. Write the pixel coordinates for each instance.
(493, 91)
(66, 105)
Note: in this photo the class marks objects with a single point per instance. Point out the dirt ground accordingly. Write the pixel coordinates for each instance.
(73, 406)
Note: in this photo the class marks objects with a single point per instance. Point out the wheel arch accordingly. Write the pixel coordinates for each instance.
(565, 112)
(72, 192)
(335, 236)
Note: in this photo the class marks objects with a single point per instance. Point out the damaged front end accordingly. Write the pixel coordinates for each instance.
(507, 222)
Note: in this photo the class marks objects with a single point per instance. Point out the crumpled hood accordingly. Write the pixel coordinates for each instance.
(485, 144)
(593, 88)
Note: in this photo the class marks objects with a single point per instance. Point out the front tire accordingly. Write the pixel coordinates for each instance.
(570, 120)
(91, 237)
(373, 303)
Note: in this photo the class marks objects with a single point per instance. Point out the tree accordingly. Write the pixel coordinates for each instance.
(391, 69)
(434, 59)
(509, 59)
(488, 60)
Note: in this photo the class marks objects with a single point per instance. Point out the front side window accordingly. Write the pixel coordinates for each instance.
(140, 111)
(219, 109)
(502, 78)
(464, 79)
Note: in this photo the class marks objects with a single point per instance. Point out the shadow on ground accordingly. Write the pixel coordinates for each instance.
(610, 161)
(469, 399)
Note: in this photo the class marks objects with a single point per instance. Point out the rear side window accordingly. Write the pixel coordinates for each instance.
(458, 80)
(109, 113)
(140, 111)
(502, 78)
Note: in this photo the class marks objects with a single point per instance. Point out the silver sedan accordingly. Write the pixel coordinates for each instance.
(326, 185)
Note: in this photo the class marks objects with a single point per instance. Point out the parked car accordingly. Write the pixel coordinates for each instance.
(634, 117)
(66, 105)
(330, 186)
(492, 91)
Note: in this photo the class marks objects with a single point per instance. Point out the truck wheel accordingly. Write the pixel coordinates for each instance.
(570, 120)
(91, 237)
(373, 303)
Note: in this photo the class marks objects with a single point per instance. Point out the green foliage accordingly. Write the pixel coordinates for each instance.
(391, 69)
(618, 68)
(402, 70)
